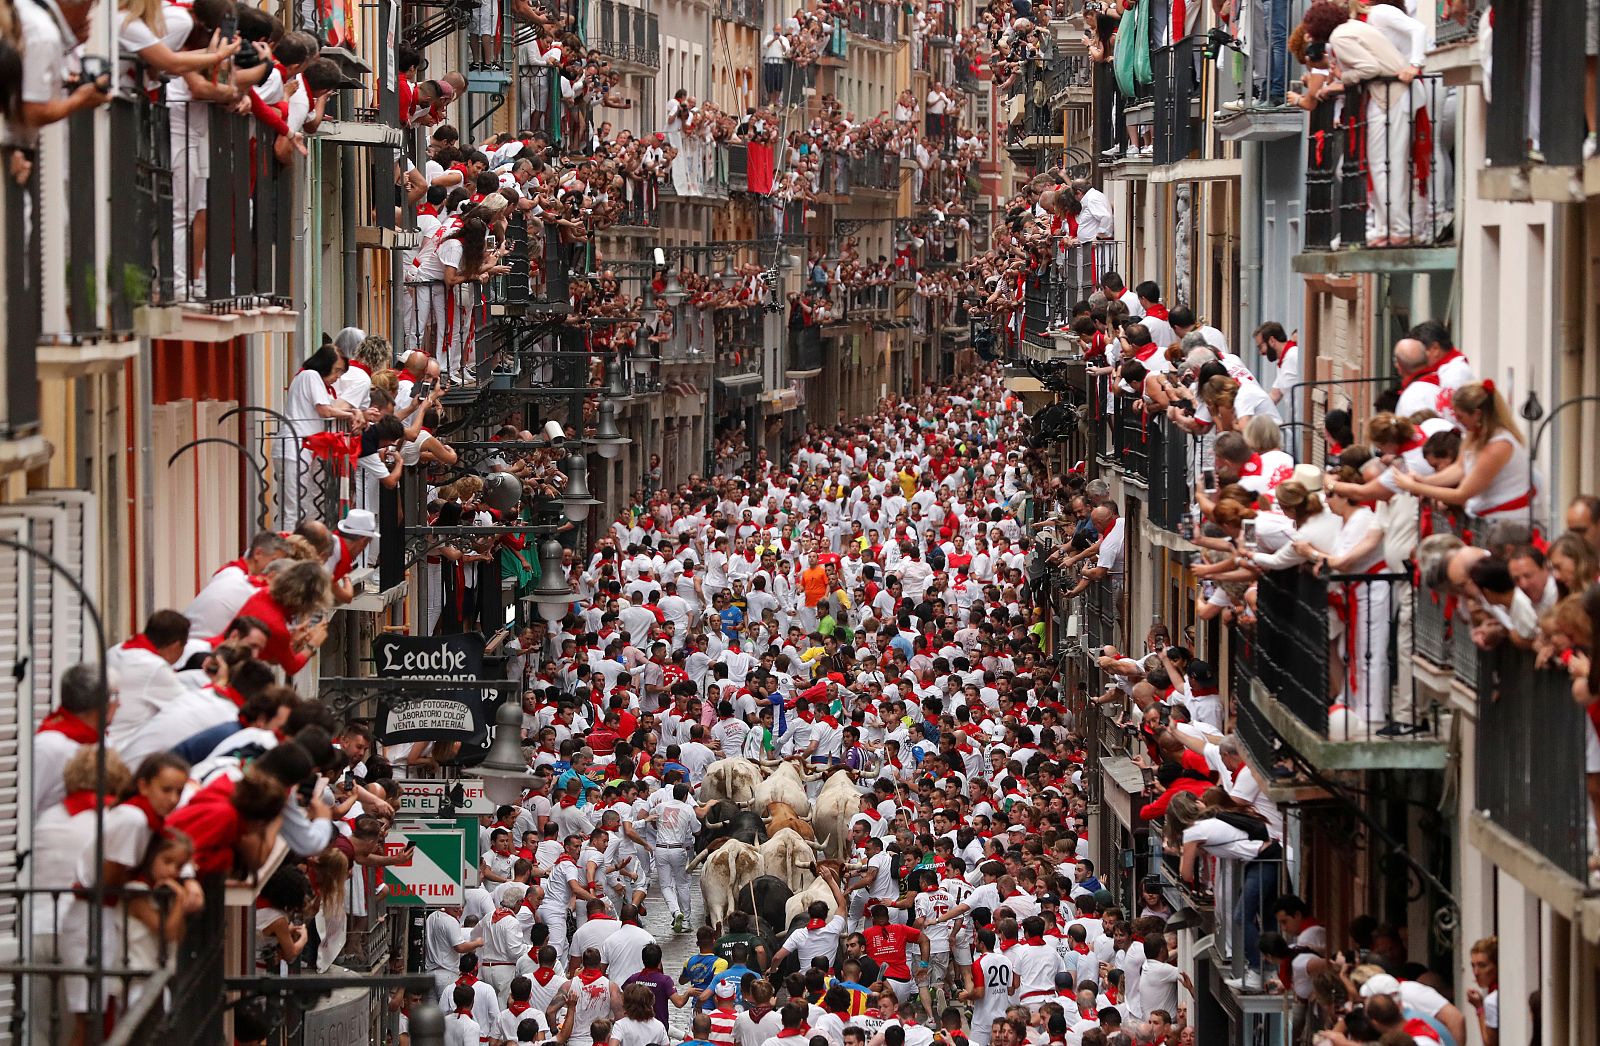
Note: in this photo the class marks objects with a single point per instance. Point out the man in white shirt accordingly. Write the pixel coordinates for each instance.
(821, 933)
(144, 671)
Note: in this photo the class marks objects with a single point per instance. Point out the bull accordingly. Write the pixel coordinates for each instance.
(819, 890)
(790, 857)
(727, 870)
(734, 780)
(765, 899)
(836, 806)
(786, 785)
(781, 815)
(726, 821)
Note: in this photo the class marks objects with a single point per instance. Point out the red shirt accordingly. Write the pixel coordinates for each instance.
(280, 649)
(887, 946)
(212, 823)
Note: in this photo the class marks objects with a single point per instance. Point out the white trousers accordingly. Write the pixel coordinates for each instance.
(673, 865)
(1394, 204)
(424, 310)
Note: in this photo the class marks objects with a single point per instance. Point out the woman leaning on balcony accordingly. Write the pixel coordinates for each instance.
(1492, 477)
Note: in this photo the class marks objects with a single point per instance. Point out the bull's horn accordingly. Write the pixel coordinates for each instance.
(718, 824)
(698, 860)
(766, 819)
(823, 846)
(814, 777)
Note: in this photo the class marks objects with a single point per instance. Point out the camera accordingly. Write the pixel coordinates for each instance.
(94, 69)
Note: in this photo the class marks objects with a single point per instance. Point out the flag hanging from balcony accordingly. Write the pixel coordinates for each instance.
(759, 169)
(337, 23)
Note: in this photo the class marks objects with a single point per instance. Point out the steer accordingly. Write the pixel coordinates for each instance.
(732, 779)
(819, 890)
(835, 808)
(781, 815)
(790, 858)
(764, 899)
(726, 821)
(727, 870)
(786, 785)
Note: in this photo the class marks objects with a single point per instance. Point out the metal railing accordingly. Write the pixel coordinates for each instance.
(1169, 477)
(1547, 128)
(874, 20)
(744, 12)
(1530, 758)
(625, 33)
(875, 169)
(805, 348)
(1130, 439)
(1380, 175)
(1102, 609)
(163, 991)
(1457, 20)
(1175, 88)
(1322, 641)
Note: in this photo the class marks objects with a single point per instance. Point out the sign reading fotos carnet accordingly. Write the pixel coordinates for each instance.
(433, 713)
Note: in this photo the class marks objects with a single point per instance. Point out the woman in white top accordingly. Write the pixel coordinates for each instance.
(1491, 478)
(464, 258)
(1358, 617)
(638, 1025)
(307, 407)
(1315, 527)
(156, 31)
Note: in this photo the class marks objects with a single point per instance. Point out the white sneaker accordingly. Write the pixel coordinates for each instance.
(1238, 105)
(1590, 145)
(1252, 980)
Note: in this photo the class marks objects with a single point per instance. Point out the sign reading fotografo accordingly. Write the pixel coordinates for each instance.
(433, 713)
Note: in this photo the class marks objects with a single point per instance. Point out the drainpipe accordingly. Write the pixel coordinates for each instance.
(1250, 244)
(347, 233)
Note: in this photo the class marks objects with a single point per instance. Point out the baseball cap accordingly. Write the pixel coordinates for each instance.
(1380, 984)
(725, 989)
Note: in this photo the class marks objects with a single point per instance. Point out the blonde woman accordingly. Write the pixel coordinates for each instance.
(1491, 478)
(156, 31)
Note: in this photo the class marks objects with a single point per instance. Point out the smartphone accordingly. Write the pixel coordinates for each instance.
(1248, 533)
(1208, 478)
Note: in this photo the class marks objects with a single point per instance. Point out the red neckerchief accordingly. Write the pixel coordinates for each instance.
(601, 917)
(588, 976)
(816, 924)
(1112, 994)
(358, 365)
(468, 979)
(1089, 1014)
(77, 802)
(567, 802)
(1157, 311)
(543, 975)
(789, 1033)
(518, 1007)
(1252, 467)
(501, 913)
(1428, 374)
(228, 693)
(69, 725)
(1006, 946)
(873, 813)
(140, 642)
(1145, 353)
(1081, 949)
(151, 818)
(1034, 940)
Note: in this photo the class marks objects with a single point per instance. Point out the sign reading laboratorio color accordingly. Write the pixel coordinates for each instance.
(433, 713)
(432, 876)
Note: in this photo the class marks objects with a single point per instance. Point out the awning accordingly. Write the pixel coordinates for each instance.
(741, 386)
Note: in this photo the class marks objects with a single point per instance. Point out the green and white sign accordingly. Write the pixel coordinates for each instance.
(432, 876)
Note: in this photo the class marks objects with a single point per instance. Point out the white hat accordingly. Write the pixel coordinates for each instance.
(725, 988)
(359, 523)
(1308, 476)
(1380, 984)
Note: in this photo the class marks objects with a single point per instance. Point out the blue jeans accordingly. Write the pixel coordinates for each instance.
(1277, 23)
(1257, 894)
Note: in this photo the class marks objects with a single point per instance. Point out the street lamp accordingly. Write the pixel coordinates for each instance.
(575, 500)
(505, 771)
(553, 594)
(616, 387)
(608, 439)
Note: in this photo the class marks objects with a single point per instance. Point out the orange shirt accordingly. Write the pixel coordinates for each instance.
(814, 583)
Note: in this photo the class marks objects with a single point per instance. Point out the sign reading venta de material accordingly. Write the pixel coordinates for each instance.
(433, 713)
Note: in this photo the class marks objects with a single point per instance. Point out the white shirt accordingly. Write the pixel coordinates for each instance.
(807, 944)
(1111, 548)
(216, 605)
(146, 682)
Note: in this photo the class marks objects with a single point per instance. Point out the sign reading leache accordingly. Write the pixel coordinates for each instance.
(433, 713)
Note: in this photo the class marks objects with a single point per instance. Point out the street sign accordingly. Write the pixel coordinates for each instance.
(432, 877)
(422, 798)
(432, 713)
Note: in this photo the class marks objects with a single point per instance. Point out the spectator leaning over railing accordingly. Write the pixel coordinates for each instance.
(1492, 479)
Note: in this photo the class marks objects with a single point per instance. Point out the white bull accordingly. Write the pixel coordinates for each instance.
(836, 806)
(791, 857)
(786, 785)
(819, 890)
(727, 870)
(735, 780)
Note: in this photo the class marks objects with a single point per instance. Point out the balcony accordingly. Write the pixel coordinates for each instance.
(874, 22)
(1323, 677)
(737, 372)
(1071, 277)
(1531, 811)
(1248, 106)
(1368, 211)
(805, 352)
(741, 12)
(625, 34)
(1177, 101)
(1534, 146)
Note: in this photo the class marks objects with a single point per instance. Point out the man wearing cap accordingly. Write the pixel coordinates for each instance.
(357, 530)
(1417, 1002)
